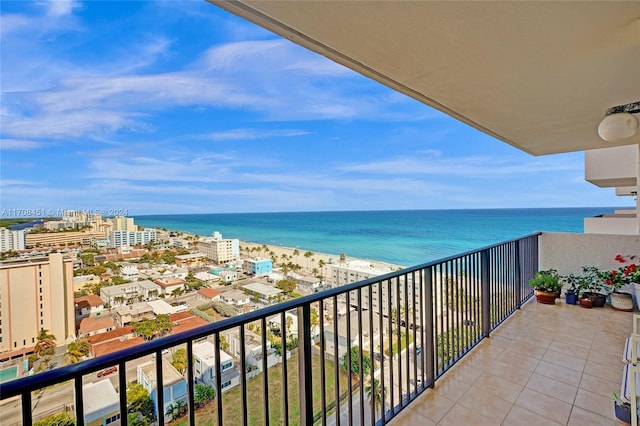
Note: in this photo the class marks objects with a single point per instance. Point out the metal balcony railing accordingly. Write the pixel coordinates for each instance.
(354, 354)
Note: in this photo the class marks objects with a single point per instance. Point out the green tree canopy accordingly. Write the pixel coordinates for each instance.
(286, 285)
(355, 362)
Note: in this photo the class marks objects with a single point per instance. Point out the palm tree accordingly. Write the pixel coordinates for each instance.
(46, 343)
(76, 350)
(308, 255)
(375, 393)
(296, 252)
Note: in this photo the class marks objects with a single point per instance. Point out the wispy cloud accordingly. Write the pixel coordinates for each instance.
(248, 134)
(19, 145)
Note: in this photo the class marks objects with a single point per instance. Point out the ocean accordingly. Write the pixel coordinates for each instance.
(406, 238)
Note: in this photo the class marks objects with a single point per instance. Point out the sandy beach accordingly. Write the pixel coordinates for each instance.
(308, 262)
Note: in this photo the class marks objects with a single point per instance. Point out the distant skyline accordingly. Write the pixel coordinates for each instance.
(171, 107)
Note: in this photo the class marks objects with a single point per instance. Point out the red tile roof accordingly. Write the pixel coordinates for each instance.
(106, 348)
(91, 300)
(87, 325)
(110, 335)
(209, 292)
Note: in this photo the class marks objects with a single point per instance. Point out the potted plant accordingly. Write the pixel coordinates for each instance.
(571, 293)
(547, 286)
(622, 410)
(590, 285)
(615, 279)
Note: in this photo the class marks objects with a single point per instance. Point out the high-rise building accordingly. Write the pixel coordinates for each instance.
(36, 294)
(132, 238)
(12, 240)
(219, 249)
(123, 223)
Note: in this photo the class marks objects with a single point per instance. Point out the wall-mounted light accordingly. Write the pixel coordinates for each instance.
(619, 122)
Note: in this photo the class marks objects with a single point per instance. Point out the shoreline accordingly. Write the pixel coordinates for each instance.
(313, 260)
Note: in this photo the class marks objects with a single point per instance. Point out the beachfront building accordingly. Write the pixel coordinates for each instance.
(259, 267)
(36, 294)
(101, 404)
(204, 366)
(174, 385)
(354, 271)
(220, 250)
(12, 239)
(62, 238)
(132, 238)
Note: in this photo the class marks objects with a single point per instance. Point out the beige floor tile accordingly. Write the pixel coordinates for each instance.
(563, 374)
(486, 404)
(450, 387)
(611, 372)
(600, 386)
(411, 417)
(498, 386)
(580, 417)
(527, 348)
(519, 416)
(564, 360)
(460, 415)
(569, 349)
(553, 388)
(595, 403)
(432, 406)
(519, 360)
(514, 374)
(544, 405)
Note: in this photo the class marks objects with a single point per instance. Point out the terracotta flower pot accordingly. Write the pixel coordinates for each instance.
(586, 302)
(546, 297)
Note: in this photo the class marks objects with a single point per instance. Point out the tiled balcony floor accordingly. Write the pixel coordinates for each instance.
(546, 365)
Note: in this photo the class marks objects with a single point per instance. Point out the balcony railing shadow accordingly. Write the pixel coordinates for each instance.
(355, 354)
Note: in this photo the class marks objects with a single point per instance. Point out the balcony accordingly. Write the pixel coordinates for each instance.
(437, 342)
(546, 365)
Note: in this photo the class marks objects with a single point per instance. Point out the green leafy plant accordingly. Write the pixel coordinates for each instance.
(546, 280)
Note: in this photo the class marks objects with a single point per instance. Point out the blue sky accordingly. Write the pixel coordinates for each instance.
(180, 107)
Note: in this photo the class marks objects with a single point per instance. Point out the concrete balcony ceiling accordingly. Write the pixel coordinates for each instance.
(537, 75)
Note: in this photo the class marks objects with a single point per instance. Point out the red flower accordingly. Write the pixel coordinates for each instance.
(619, 258)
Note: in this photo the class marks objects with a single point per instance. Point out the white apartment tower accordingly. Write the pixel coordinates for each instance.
(132, 238)
(12, 240)
(36, 294)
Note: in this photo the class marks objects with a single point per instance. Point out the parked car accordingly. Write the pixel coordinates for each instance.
(107, 371)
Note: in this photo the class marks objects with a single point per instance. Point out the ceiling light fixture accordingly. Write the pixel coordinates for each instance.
(619, 122)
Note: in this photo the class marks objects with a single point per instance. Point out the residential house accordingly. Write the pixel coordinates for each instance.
(88, 306)
(190, 260)
(92, 326)
(259, 267)
(264, 293)
(169, 285)
(174, 385)
(125, 315)
(208, 295)
(235, 298)
(308, 285)
(204, 366)
(227, 275)
(101, 404)
(206, 278)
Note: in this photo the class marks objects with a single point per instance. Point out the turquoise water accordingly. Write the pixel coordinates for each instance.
(406, 238)
(8, 374)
